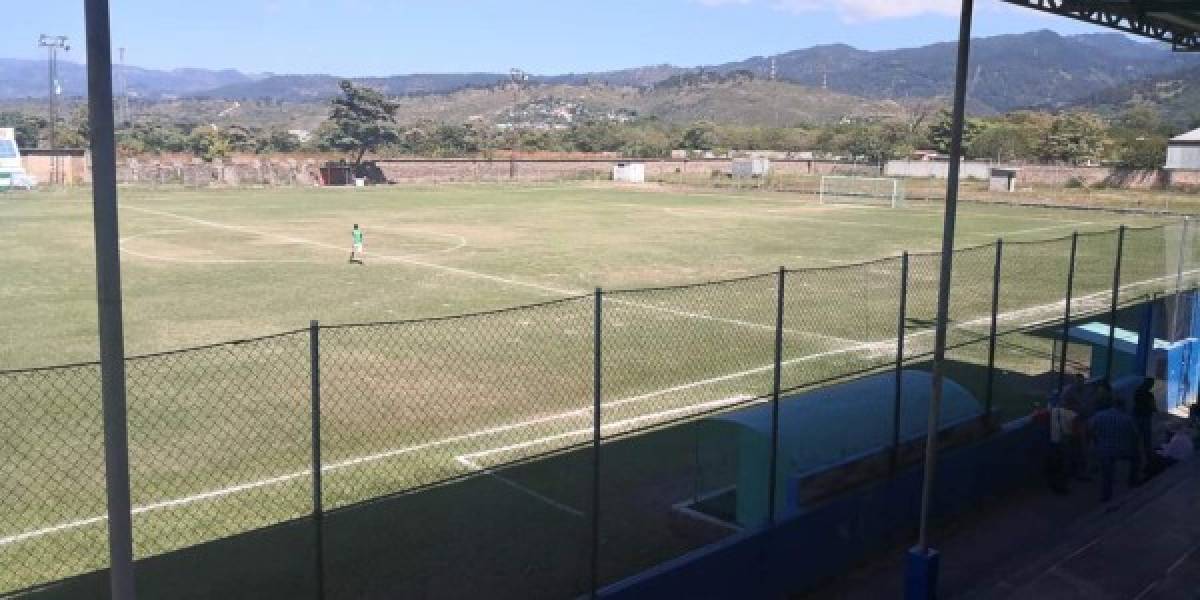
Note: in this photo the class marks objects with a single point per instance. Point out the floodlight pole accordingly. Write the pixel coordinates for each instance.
(921, 578)
(518, 77)
(108, 299)
(52, 44)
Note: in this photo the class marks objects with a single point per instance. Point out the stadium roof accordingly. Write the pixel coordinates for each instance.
(1191, 137)
(1176, 22)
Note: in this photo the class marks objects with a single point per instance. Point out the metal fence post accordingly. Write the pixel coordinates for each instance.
(772, 481)
(1183, 236)
(597, 364)
(901, 331)
(1112, 313)
(991, 368)
(108, 301)
(318, 505)
(1066, 328)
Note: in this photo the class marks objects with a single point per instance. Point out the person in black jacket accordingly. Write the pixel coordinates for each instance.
(1144, 408)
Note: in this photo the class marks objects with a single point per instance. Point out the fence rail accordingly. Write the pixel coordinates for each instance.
(314, 424)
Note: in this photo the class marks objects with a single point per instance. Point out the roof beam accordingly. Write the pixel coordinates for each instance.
(1176, 22)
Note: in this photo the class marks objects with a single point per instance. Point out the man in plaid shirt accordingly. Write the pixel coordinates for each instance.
(1116, 438)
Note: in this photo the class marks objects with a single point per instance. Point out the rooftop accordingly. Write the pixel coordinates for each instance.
(1174, 21)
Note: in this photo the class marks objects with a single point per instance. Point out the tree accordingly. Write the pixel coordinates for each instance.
(28, 129)
(363, 120)
(1148, 152)
(1073, 138)
(941, 131)
(701, 135)
(278, 140)
(208, 143)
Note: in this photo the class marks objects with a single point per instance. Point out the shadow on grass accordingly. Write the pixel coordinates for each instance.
(522, 531)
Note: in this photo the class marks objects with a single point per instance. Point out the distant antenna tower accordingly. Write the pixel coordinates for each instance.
(123, 116)
(774, 70)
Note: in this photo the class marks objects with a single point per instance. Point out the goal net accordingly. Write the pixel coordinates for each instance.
(847, 189)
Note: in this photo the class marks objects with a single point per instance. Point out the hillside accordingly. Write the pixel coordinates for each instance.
(745, 102)
(20, 78)
(1035, 69)
(1175, 95)
(1039, 68)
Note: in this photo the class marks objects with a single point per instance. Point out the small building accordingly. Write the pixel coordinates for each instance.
(745, 168)
(1183, 152)
(1003, 179)
(12, 172)
(630, 172)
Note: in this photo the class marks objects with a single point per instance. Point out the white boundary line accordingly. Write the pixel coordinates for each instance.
(197, 261)
(468, 459)
(870, 346)
(495, 278)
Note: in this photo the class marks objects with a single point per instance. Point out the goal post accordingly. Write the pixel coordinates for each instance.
(849, 189)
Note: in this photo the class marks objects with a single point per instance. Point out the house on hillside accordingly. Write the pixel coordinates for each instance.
(1183, 152)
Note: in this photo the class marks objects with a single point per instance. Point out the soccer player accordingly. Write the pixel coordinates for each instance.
(356, 251)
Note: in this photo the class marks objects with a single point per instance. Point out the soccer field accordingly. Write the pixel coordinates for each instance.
(220, 435)
(209, 266)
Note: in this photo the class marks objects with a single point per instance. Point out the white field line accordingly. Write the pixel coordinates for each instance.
(473, 466)
(881, 346)
(785, 214)
(655, 416)
(468, 461)
(1065, 225)
(460, 242)
(198, 261)
(476, 274)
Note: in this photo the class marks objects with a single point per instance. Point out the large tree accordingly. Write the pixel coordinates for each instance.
(362, 120)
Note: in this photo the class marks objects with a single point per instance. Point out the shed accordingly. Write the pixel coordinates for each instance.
(1003, 179)
(1183, 152)
(744, 168)
(821, 429)
(630, 172)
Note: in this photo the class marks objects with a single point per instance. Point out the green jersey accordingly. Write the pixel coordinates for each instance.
(358, 237)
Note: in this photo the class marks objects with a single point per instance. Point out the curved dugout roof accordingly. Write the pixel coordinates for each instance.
(829, 425)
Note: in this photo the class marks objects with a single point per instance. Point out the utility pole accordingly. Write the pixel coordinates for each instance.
(518, 77)
(123, 116)
(52, 44)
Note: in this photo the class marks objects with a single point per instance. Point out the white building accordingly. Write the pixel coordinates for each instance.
(1183, 152)
(751, 167)
(630, 172)
(12, 174)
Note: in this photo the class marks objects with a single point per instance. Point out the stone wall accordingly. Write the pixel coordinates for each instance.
(1055, 175)
(219, 173)
(432, 170)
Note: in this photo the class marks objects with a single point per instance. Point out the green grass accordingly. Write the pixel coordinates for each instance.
(409, 404)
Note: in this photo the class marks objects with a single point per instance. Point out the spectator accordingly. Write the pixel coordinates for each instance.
(1062, 433)
(1072, 395)
(1178, 449)
(1116, 439)
(1144, 408)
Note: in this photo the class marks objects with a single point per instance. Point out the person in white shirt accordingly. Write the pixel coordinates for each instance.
(1178, 449)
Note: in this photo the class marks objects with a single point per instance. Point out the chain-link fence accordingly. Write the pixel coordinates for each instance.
(551, 448)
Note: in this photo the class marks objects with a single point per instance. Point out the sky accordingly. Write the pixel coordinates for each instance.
(383, 37)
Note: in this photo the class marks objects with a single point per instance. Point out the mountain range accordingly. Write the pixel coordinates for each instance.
(1040, 69)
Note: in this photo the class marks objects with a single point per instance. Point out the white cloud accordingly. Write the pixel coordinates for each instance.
(856, 10)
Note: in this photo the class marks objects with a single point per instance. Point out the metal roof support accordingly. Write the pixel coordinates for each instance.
(922, 566)
(1176, 22)
(108, 299)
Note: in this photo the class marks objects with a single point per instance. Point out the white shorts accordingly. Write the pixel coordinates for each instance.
(357, 249)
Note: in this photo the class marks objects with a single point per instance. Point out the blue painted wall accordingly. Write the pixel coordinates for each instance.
(803, 551)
